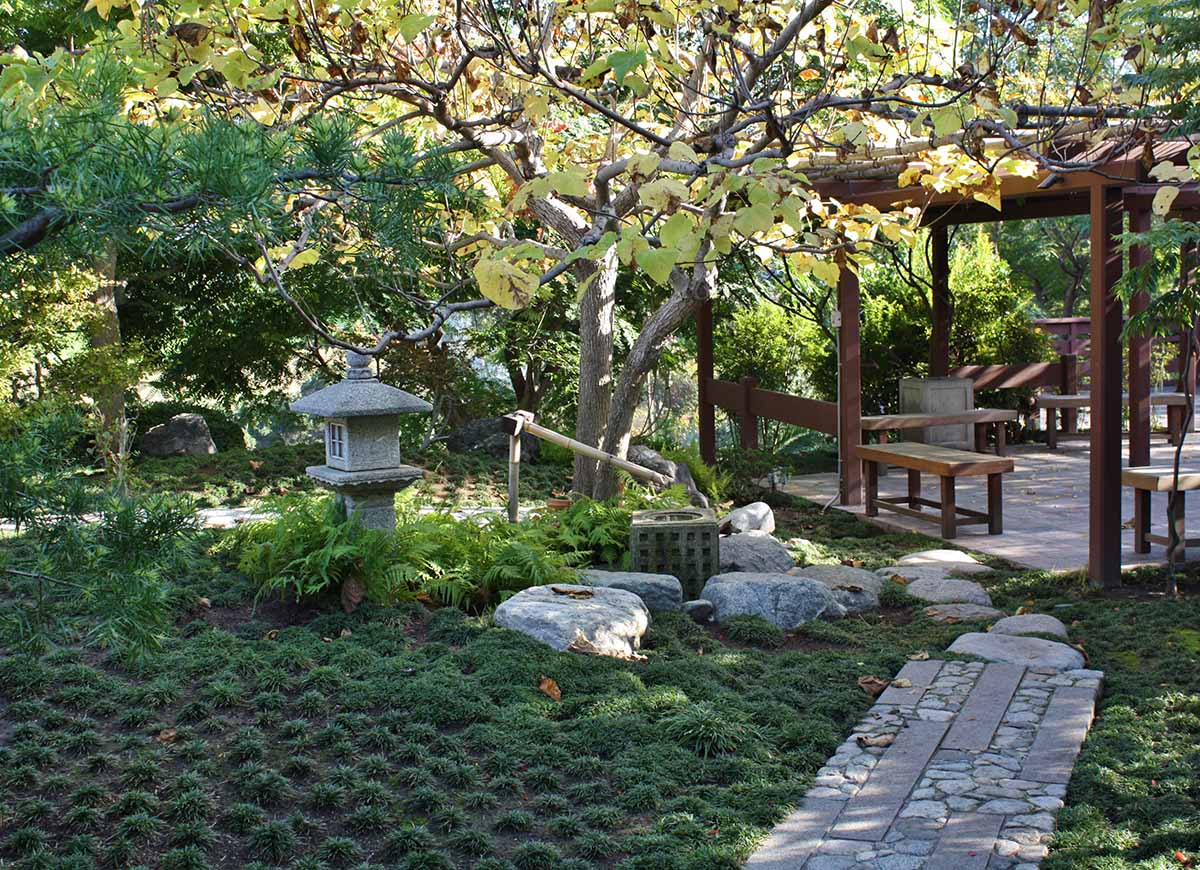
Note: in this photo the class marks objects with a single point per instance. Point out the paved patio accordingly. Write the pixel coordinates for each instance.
(1045, 505)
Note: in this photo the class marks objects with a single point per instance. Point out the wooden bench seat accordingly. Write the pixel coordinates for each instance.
(948, 464)
(981, 418)
(1146, 479)
(1054, 403)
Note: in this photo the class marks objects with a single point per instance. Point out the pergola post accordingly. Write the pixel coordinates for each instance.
(939, 344)
(1139, 353)
(1104, 495)
(706, 415)
(849, 386)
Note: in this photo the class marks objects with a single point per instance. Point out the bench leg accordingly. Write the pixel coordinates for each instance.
(1001, 439)
(981, 437)
(1052, 428)
(1175, 415)
(914, 488)
(1141, 520)
(949, 516)
(1175, 518)
(995, 507)
(871, 473)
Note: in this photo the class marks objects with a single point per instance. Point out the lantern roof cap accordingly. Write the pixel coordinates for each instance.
(359, 394)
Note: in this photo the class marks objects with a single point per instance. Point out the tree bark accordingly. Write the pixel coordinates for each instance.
(694, 288)
(597, 313)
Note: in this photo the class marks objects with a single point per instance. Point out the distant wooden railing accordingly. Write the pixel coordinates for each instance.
(744, 399)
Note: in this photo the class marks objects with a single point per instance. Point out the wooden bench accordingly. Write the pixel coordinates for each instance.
(1146, 479)
(1053, 403)
(981, 418)
(948, 465)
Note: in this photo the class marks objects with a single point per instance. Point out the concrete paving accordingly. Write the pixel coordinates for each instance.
(1045, 506)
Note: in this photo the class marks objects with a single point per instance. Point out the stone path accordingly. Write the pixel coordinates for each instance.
(972, 779)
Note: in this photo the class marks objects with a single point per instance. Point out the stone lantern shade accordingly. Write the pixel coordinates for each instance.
(362, 440)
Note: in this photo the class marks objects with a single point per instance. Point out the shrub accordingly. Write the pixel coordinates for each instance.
(754, 630)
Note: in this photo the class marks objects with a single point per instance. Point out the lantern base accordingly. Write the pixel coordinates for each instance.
(371, 495)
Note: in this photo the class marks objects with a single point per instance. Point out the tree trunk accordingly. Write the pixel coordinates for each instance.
(105, 332)
(597, 312)
(643, 356)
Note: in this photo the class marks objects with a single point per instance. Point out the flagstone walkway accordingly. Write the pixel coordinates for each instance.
(973, 773)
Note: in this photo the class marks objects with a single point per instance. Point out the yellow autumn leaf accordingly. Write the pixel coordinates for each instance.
(305, 258)
(505, 283)
(1163, 200)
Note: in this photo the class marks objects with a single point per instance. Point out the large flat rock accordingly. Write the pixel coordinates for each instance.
(591, 619)
(854, 588)
(945, 590)
(1031, 652)
(782, 599)
(657, 591)
(961, 612)
(755, 552)
(953, 561)
(1030, 623)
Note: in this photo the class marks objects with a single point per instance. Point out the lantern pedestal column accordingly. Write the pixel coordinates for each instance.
(370, 495)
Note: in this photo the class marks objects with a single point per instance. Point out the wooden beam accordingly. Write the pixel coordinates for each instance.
(1104, 496)
(939, 344)
(706, 416)
(1011, 209)
(1139, 353)
(849, 386)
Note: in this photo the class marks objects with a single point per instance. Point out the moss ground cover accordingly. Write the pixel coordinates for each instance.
(279, 736)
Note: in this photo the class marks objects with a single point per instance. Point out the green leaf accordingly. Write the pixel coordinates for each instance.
(657, 262)
(677, 228)
(625, 62)
(305, 258)
(410, 26)
(754, 219)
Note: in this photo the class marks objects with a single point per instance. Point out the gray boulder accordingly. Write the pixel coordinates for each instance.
(786, 601)
(657, 591)
(754, 517)
(855, 589)
(1030, 623)
(647, 457)
(699, 609)
(947, 590)
(1032, 652)
(487, 436)
(961, 612)
(182, 435)
(755, 552)
(589, 619)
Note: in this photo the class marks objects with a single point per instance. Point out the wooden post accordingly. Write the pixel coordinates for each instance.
(514, 425)
(939, 344)
(1186, 381)
(849, 386)
(706, 417)
(747, 422)
(1104, 495)
(1139, 354)
(949, 509)
(1068, 385)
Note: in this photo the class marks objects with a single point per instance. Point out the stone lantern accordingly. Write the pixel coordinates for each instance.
(362, 441)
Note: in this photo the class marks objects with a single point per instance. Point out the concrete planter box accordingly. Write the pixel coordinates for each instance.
(938, 396)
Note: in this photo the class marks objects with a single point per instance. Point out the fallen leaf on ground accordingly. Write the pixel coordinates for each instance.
(353, 592)
(899, 578)
(255, 464)
(572, 593)
(204, 602)
(852, 563)
(167, 735)
(550, 689)
(345, 633)
(271, 635)
(919, 656)
(872, 685)
(875, 739)
(902, 683)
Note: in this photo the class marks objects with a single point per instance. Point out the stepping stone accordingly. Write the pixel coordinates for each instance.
(854, 588)
(962, 612)
(657, 591)
(1032, 652)
(591, 619)
(950, 560)
(782, 599)
(1030, 623)
(946, 590)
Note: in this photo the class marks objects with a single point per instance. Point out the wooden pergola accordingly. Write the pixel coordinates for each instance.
(1117, 185)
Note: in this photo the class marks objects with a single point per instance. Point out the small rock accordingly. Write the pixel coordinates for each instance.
(1004, 806)
(1030, 623)
(699, 609)
(648, 457)
(592, 619)
(947, 590)
(657, 591)
(754, 517)
(786, 601)
(1031, 652)
(754, 552)
(924, 810)
(962, 612)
